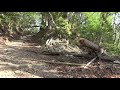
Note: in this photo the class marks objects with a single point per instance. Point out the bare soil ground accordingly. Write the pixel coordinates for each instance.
(20, 59)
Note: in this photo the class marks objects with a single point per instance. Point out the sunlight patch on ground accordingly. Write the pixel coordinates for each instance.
(21, 44)
(7, 74)
(115, 76)
(11, 64)
(16, 74)
(53, 71)
(29, 60)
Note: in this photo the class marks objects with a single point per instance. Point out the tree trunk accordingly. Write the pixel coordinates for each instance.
(86, 43)
(92, 48)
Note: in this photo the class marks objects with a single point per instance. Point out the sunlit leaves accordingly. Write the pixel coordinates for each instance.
(65, 27)
(15, 20)
(91, 25)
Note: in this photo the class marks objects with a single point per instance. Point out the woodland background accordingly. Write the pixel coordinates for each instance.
(102, 28)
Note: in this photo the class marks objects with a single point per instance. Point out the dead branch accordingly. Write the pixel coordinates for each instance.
(89, 62)
(105, 58)
(52, 62)
(65, 63)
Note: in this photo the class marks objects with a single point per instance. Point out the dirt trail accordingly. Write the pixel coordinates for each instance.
(19, 59)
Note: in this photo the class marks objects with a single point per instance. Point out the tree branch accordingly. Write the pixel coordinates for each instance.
(53, 20)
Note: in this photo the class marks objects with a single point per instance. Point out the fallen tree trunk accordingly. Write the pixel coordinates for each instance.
(105, 58)
(96, 50)
(92, 47)
(86, 43)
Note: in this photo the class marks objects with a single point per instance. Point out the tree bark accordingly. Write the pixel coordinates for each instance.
(86, 43)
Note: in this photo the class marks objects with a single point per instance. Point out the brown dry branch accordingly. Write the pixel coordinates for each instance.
(89, 62)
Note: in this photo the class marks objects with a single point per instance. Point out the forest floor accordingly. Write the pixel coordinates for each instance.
(19, 59)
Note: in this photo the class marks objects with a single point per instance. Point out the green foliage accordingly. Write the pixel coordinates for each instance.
(112, 49)
(64, 26)
(95, 26)
(14, 21)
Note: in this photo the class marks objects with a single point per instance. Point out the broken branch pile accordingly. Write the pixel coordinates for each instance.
(62, 47)
(59, 45)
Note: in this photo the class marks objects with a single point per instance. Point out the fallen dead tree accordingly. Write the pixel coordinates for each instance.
(91, 47)
(86, 43)
(106, 58)
(97, 51)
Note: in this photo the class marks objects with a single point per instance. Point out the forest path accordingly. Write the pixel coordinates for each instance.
(20, 59)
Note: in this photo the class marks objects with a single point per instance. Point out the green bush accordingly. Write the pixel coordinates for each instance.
(112, 49)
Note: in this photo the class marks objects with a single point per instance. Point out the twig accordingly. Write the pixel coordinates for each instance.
(90, 62)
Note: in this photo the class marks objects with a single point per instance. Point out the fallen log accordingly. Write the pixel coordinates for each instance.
(86, 43)
(92, 47)
(105, 58)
